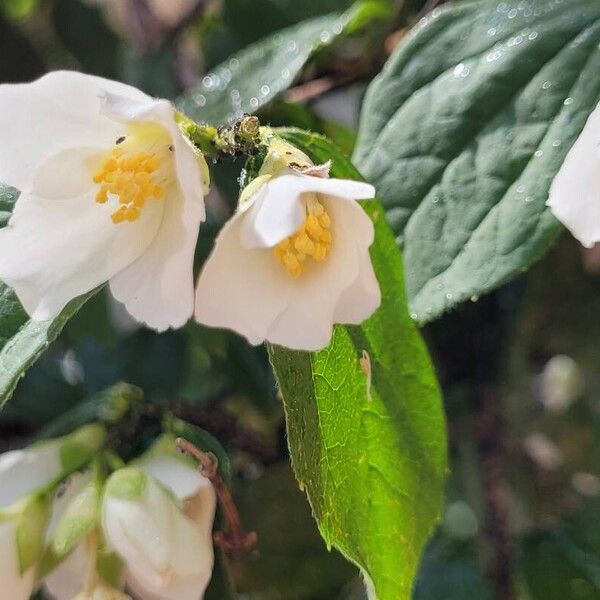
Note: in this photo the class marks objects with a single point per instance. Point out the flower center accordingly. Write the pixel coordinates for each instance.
(312, 239)
(139, 168)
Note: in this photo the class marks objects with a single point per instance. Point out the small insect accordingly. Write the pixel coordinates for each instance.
(120, 140)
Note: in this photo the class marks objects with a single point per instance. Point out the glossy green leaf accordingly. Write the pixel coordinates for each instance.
(372, 458)
(22, 341)
(463, 132)
(253, 77)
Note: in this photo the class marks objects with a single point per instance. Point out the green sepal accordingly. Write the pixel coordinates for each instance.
(128, 483)
(31, 528)
(79, 447)
(110, 567)
(79, 519)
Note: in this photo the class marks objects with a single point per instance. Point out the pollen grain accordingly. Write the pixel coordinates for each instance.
(131, 177)
(312, 240)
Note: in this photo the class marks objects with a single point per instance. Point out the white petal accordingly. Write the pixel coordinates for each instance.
(55, 250)
(188, 161)
(67, 580)
(14, 585)
(278, 212)
(155, 539)
(201, 510)
(178, 588)
(158, 288)
(68, 173)
(307, 321)
(359, 301)
(58, 111)
(180, 478)
(575, 192)
(239, 288)
(24, 471)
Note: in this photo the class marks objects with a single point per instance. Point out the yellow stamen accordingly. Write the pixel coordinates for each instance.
(313, 239)
(133, 177)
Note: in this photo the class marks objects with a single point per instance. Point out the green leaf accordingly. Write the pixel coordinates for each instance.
(372, 459)
(254, 76)
(463, 132)
(22, 341)
(250, 20)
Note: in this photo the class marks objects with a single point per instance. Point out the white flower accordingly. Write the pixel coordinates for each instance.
(176, 471)
(574, 198)
(26, 478)
(111, 191)
(293, 260)
(102, 592)
(17, 579)
(168, 555)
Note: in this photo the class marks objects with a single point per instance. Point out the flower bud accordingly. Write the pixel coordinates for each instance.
(173, 469)
(168, 556)
(102, 592)
(22, 529)
(26, 479)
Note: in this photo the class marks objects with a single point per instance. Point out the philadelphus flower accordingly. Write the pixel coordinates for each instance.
(167, 555)
(574, 196)
(26, 477)
(294, 259)
(111, 191)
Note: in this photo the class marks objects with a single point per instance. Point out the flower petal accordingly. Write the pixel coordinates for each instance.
(189, 162)
(201, 510)
(307, 321)
(158, 288)
(239, 288)
(359, 301)
(574, 197)
(14, 585)
(278, 213)
(164, 463)
(67, 580)
(58, 111)
(24, 471)
(67, 174)
(178, 588)
(55, 250)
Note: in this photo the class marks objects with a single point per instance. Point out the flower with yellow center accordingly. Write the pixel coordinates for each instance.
(294, 259)
(111, 191)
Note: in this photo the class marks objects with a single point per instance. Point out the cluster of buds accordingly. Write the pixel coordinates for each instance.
(77, 521)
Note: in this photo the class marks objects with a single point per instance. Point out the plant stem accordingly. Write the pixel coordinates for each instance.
(235, 540)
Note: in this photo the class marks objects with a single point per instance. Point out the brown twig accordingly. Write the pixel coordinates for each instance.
(235, 540)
